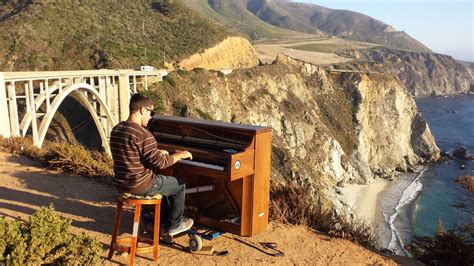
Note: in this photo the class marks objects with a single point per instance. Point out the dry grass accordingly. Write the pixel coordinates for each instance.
(22, 146)
(69, 158)
(290, 204)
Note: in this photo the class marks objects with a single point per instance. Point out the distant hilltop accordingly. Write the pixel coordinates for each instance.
(258, 18)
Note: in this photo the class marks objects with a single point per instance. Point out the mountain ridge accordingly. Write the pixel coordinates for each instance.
(314, 20)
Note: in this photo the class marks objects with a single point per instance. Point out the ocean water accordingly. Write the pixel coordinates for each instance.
(432, 195)
(451, 121)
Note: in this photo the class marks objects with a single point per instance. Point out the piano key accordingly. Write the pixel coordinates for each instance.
(204, 165)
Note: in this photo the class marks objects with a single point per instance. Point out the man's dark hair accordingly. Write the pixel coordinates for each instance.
(139, 101)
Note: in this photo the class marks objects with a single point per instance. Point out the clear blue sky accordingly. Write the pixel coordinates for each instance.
(444, 26)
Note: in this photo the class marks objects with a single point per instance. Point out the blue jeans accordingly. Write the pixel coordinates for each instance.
(172, 191)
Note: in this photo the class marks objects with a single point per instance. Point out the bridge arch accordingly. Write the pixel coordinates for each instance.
(81, 90)
(39, 100)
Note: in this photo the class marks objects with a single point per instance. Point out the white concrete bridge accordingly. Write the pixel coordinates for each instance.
(29, 100)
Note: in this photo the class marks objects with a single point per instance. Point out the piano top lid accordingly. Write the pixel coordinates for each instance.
(212, 123)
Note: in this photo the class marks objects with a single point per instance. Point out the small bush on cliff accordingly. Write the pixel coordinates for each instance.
(44, 239)
(77, 160)
(451, 248)
(170, 80)
(22, 146)
(289, 204)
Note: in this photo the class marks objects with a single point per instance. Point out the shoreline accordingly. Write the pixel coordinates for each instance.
(378, 202)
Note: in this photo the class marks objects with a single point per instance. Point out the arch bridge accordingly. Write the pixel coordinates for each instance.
(29, 100)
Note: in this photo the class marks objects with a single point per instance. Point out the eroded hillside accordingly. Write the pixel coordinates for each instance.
(233, 52)
(327, 127)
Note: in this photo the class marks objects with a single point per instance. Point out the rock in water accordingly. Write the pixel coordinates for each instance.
(462, 153)
(467, 182)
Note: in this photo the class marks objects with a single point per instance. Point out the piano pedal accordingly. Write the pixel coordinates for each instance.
(199, 189)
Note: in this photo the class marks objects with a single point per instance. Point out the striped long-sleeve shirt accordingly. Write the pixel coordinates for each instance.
(136, 155)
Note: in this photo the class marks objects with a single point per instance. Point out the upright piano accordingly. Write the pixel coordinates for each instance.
(228, 179)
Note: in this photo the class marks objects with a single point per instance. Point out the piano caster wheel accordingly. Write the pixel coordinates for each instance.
(195, 243)
(167, 238)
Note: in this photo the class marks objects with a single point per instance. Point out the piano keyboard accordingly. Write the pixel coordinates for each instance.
(204, 165)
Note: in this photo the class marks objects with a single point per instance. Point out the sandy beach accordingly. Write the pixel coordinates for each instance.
(363, 200)
(376, 203)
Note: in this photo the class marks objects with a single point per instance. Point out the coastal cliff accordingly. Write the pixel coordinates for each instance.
(329, 128)
(424, 74)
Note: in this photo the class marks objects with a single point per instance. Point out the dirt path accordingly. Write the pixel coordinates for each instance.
(25, 186)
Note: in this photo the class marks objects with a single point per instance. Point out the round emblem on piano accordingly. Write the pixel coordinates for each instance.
(237, 164)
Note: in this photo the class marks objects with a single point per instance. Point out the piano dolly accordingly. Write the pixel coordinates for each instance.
(196, 237)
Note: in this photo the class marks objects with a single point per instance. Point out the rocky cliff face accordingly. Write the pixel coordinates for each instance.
(233, 52)
(327, 127)
(424, 74)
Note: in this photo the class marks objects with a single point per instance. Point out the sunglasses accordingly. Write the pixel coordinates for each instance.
(152, 112)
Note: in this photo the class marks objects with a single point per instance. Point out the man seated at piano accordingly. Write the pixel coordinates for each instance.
(136, 161)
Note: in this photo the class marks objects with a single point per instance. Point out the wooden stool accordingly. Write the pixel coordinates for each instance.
(132, 242)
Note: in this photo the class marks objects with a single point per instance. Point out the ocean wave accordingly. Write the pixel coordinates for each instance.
(409, 194)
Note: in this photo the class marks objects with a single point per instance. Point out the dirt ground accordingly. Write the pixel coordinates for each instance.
(25, 186)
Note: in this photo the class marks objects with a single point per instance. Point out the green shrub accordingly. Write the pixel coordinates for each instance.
(182, 72)
(199, 70)
(44, 239)
(170, 80)
(451, 248)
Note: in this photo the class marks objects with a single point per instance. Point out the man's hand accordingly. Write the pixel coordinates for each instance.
(185, 155)
(179, 155)
(164, 152)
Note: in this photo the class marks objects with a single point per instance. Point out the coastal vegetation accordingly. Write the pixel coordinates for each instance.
(69, 158)
(45, 239)
(93, 34)
(290, 204)
(445, 248)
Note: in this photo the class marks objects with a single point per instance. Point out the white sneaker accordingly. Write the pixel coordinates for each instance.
(185, 225)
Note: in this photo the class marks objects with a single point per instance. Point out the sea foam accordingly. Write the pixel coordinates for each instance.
(409, 194)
